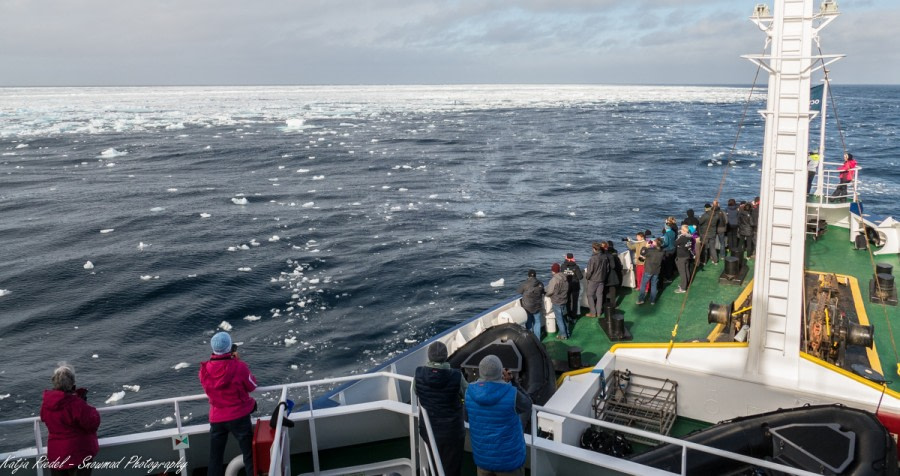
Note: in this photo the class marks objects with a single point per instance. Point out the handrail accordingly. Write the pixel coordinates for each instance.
(35, 421)
(685, 445)
(435, 465)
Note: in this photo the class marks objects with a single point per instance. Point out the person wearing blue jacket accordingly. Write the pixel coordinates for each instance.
(495, 428)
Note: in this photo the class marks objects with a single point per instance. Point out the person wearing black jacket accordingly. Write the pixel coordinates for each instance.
(731, 211)
(745, 229)
(684, 253)
(707, 228)
(653, 258)
(613, 278)
(721, 227)
(573, 275)
(595, 274)
(441, 390)
(532, 292)
(690, 219)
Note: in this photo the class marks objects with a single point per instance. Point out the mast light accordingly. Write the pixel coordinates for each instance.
(828, 7)
(761, 10)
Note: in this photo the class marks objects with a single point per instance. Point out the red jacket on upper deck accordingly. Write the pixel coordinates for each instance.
(227, 382)
(72, 424)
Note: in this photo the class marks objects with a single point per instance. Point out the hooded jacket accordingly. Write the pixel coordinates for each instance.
(558, 289)
(690, 219)
(745, 223)
(597, 268)
(653, 258)
(72, 425)
(573, 273)
(722, 224)
(614, 276)
(847, 172)
(532, 292)
(495, 429)
(438, 389)
(227, 382)
(732, 213)
(709, 220)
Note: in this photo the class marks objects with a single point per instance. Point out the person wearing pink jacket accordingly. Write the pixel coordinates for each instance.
(72, 424)
(228, 382)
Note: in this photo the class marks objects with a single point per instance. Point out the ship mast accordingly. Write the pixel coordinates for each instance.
(775, 331)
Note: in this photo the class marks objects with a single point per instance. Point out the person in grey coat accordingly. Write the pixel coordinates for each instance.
(558, 292)
(709, 222)
(532, 292)
(595, 274)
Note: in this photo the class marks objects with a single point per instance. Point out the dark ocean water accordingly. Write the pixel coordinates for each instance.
(376, 216)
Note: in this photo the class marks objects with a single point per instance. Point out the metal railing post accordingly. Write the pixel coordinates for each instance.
(276, 452)
(181, 453)
(413, 435)
(533, 438)
(312, 432)
(684, 460)
(38, 443)
(432, 446)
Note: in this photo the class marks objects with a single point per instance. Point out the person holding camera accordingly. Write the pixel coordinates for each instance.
(71, 422)
(494, 404)
(228, 382)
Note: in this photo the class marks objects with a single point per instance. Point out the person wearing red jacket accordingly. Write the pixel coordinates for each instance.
(848, 173)
(72, 424)
(228, 382)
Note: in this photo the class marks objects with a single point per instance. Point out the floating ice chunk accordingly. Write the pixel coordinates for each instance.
(205, 215)
(401, 189)
(107, 230)
(314, 281)
(111, 164)
(4, 396)
(21, 146)
(225, 326)
(294, 123)
(571, 214)
(141, 245)
(289, 341)
(171, 189)
(318, 177)
(709, 165)
(115, 397)
(157, 209)
(111, 152)
(302, 171)
(95, 356)
(175, 127)
(308, 204)
(732, 162)
(133, 388)
(5, 292)
(635, 209)
(479, 214)
(252, 318)
(244, 247)
(146, 277)
(294, 367)
(498, 283)
(274, 238)
(752, 165)
(309, 372)
(88, 265)
(409, 341)
(181, 365)
(245, 269)
(433, 195)
(239, 201)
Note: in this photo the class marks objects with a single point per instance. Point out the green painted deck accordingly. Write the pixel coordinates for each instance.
(832, 252)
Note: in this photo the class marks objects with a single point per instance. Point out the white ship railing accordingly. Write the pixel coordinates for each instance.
(539, 445)
(831, 181)
(279, 448)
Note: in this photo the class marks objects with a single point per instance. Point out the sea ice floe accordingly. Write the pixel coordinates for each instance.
(289, 341)
(318, 177)
(115, 397)
(111, 152)
(141, 245)
(181, 365)
(21, 146)
(171, 189)
(4, 396)
(205, 215)
(5, 292)
(146, 277)
(274, 238)
(239, 201)
(302, 171)
(88, 265)
(294, 367)
(157, 209)
(133, 388)
(308, 204)
(95, 356)
(479, 214)
(409, 341)
(225, 326)
(107, 230)
(245, 269)
(252, 318)
(498, 283)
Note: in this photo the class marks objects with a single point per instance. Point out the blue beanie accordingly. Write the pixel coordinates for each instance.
(220, 343)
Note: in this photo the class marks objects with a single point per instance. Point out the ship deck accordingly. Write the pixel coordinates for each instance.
(832, 252)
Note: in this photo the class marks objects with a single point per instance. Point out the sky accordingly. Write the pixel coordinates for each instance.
(261, 42)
